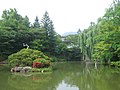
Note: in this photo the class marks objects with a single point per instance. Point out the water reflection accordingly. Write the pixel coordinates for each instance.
(66, 76)
(66, 86)
(92, 78)
(35, 81)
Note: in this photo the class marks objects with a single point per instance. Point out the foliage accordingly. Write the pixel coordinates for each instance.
(16, 30)
(40, 69)
(50, 34)
(115, 63)
(36, 24)
(13, 32)
(41, 63)
(72, 54)
(26, 57)
(71, 41)
(36, 64)
(13, 21)
(70, 48)
(101, 41)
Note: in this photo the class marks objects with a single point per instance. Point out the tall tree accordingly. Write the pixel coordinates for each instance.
(13, 31)
(101, 41)
(46, 23)
(14, 21)
(36, 24)
(50, 32)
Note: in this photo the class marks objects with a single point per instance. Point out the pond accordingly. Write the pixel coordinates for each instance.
(65, 76)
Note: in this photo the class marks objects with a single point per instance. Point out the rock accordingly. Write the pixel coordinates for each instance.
(12, 70)
(18, 69)
(21, 69)
(26, 68)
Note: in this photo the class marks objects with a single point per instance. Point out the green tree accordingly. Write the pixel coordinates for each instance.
(13, 21)
(13, 32)
(50, 32)
(101, 40)
(36, 24)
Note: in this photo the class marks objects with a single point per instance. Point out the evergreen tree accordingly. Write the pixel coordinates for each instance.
(26, 21)
(36, 24)
(50, 32)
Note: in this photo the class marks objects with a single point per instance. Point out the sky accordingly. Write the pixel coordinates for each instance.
(67, 15)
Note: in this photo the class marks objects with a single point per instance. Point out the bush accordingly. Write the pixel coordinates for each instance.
(41, 63)
(25, 57)
(115, 63)
(36, 64)
(40, 69)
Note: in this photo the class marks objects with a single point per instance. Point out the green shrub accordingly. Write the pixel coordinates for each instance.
(116, 63)
(40, 69)
(43, 62)
(25, 57)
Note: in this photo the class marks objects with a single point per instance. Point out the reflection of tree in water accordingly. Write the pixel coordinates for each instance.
(3, 80)
(64, 70)
(73, 74)
(33, 82)
(94, 79)
(41, 81)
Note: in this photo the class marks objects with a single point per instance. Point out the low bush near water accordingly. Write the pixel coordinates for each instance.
(41, 63)
(40, 70)
(116, 63)
(26, 57)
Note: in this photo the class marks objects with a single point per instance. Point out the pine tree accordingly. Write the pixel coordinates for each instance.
(49, 31)
(45, 23)
(36, 24)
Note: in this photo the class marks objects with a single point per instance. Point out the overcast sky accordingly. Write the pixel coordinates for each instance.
(67, 15)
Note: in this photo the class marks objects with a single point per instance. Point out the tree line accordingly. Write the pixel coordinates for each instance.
(101, 40)
(16, 31)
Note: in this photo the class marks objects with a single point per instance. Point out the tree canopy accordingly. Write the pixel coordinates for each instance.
(101, 41)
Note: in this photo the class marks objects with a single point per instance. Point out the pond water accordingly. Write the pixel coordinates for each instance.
(65, 76)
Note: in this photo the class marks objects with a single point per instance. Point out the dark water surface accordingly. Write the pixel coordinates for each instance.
(65, 76)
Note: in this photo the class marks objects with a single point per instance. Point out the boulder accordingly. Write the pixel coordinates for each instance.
(26, 68)
(21, 69)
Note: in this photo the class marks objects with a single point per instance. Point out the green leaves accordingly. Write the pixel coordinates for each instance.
(14, 21)
(26, 57)
(36, 24)
(51, 35)
(102, 40)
